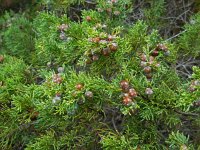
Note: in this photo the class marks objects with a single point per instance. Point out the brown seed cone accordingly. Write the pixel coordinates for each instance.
(89, 94)
(113, 47)
(143, 57)
(79, 86)
(96, 39)
(127, 100)
(132, 93)
(155, 53)
(162, 47)
(149, 75)
(148, 91)
(106, 51)
(147, 69)
(95, 57)
(124, 85)
(88, 18)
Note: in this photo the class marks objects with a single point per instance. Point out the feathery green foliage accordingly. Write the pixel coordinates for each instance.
(96, 83)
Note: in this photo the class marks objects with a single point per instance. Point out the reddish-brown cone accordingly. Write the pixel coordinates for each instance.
(149, 75)
(105, 51)
(127, 100)
(88, 18)
(113, 47)
(147, 69)
(124, 85)
(79, 86)
(95, 57)
(143, 57)
(96, 39)
(132, 93)
(155, 53)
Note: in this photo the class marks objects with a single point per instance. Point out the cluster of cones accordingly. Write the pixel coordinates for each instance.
(62, 28)
(110, 10)
(88, 94)
(111, 46)
(57, 78)
(128, 93)
(147, 63)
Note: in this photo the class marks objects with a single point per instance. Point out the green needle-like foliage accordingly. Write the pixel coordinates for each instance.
(96, 83)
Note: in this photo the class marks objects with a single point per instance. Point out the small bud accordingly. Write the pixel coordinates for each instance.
(99, 10)
(143, 57)
(95, 57)
(60, 69)
(127, 101)
(126, 95)
(151, 58)
(157, 65)
(98, 25)
(114, 1)
(116, 13)
(192, 88)
(196, 82)
(56, 99)
(132, 92)
(62, 36)
(150, 63)
(63, 27)
(162, 47)
(124, 85)
(196, 103)
(148, 91)
(88, 18)
(96, 39)
(69, 38)
(109, 10)
(113, 47)
(89, 94)
(57, 79)
(147, 69)
(49, 64)
(104, 26)
(58, 94)
(79, 86)
(155, 53)
(143, 64)
(106, 51)
(103, 42)
(89, 39)
(167, 53)
(192, 21)
(149, 76)
(110, 37)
